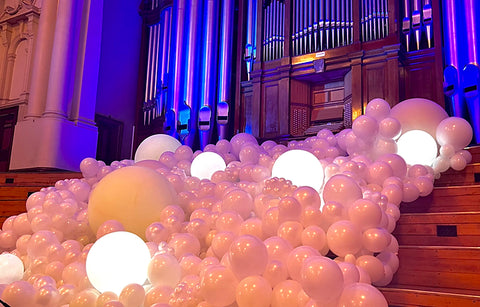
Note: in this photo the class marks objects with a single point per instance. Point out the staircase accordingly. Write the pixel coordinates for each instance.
(439, 236)
(439, 239)
(16, 187)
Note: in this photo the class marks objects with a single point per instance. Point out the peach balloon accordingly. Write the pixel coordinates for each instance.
(132, 295)
(164, 270)
(419, 114)
(343, 238)
(221, 243)
(314, 236)
(238, 201)
(372, 265)
(297, 257)
(321, 278)
(218, 286)
(253, 291)
(361, 294)
(285, 294)
(292, 232)
(289, 209)
(247, 256)
(141, 193)
(342, 189)
(365, 213)
(278, 248)
(275, 272)
(184, 243)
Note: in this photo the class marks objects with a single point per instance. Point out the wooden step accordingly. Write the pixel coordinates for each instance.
(475, 151)
(446, 199)
(11, 207)
(420, 296)
(17, 193)
(441, 229)
(439, 267)
(469, 176)
(43, 179)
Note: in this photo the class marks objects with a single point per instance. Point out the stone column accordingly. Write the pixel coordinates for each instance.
(59, 92)
(41, 59)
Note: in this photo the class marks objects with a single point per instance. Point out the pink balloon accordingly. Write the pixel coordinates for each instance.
(229, 221)
(376, 239)
(379, 171)
(278, 248)
(365, 127)
(297, 257)
(343, 238)
(19, 293)
(164, 270)
(289, 209)
(361, 294)
(455, 131)
(350, 273)
(321, 278)
(275, 272)
(253, 291)
(184, 243)
(286, 293)
(158, 295)
(372, 266)
(292, 232)
(132, 295)
(365, 213)
(247, 256)
(378, 108)
(342, 189)
(238, 201)
(218, 286)
(315, 237)
(221, 243)
(253, 226)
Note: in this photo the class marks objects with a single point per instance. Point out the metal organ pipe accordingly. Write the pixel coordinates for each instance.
(416, 22)
(209, 68)
(471, 72)
(225, 71)
(165, 58)
(187, 129)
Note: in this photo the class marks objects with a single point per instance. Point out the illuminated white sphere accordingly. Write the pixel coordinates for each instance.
(301, 167)
(116, 260)
(11, 268)
(417, 147)
(154, 146)
(207, 163)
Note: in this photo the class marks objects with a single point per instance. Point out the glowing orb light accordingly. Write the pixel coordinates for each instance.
(132, 195)
(117, 260)
(207, 163)
(301, 167)
(11, 268)
(417, 147)
(154, 146)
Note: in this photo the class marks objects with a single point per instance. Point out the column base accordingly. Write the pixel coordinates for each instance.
(49, 142)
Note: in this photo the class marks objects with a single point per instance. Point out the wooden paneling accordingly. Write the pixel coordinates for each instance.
(271, 111)
(446, 199)
(374, 85)
(422, 229)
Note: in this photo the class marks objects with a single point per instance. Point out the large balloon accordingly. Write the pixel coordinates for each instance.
(154, 146)
(419, 114)
(134, 196)
(342, 189)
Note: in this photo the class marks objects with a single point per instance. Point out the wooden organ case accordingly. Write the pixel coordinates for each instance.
(313, 64)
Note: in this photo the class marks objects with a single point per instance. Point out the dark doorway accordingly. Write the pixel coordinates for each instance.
(8, 120)
(110, 135)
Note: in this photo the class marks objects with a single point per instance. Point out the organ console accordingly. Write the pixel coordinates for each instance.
(339, 55)
(287, 68)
